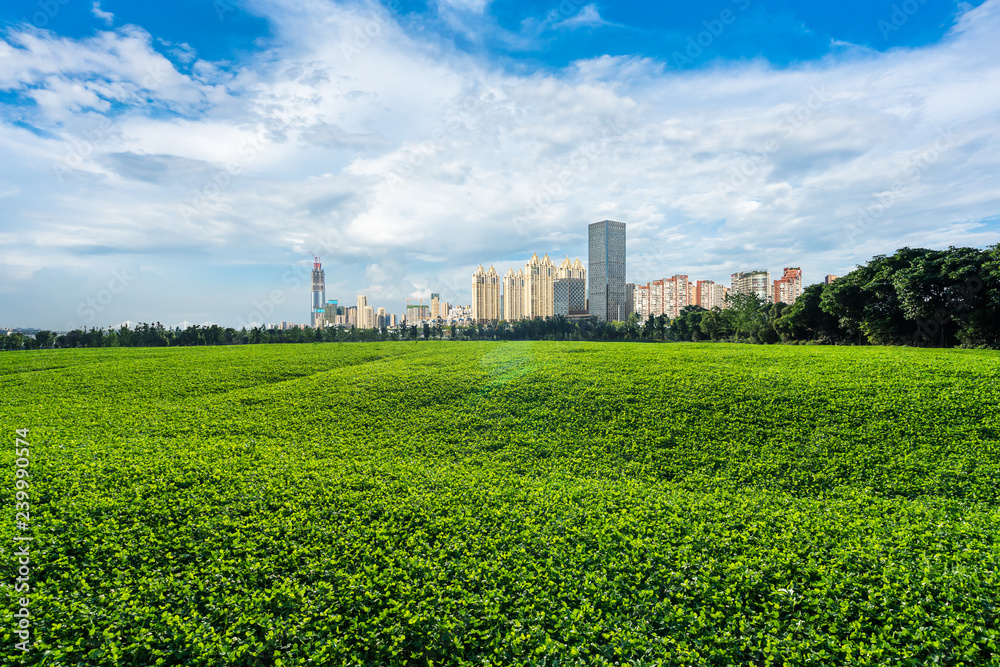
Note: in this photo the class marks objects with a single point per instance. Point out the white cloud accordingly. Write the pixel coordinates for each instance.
(385, 154)
(588, 17)
(107, 17)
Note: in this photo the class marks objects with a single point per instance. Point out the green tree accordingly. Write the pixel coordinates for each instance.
(806, 319)
(44, 338)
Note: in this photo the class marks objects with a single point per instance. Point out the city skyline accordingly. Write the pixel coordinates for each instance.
(173, 162)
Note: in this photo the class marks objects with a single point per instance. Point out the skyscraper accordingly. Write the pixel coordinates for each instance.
(318, 293)
(607, 270)
(435, 306)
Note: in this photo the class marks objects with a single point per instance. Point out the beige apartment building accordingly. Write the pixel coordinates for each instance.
(754, 282)
(710, 294)
(487, 287)
(514, 285)
(529, 292)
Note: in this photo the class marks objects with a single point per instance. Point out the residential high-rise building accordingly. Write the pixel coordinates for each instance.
(630, 297)
(530, 292)
(640, 301)
(380, 320)
(669, 296)
(572, 269)
(486, 289)
(369, 318)
(393, 322)
(318, 293)
(362, 323)
(683, 296)
(788, 287)
(539, 276)
(829, 279)
(514, 286)
(606, 247)
(756, 282)
(445, 310)
(435, 306)
(351, 316)
(710, 294)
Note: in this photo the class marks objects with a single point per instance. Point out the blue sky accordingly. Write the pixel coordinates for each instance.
(182, 162)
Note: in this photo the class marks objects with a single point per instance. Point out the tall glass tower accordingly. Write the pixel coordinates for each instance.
(318, 294)
(606, 271)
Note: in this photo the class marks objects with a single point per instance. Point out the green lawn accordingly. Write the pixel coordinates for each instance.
(507, 503)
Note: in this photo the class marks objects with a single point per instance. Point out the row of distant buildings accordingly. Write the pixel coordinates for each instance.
(541, 289)
(330, 313)
(670, 296)
(572, 290)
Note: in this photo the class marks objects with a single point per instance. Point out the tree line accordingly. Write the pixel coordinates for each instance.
(919, 297)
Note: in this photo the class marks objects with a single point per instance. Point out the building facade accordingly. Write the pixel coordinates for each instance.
(569, 297)
(788, 287)
(640, 300)
(361, 322)
(606, 249)
(514, 286)
(417, 313)
(530, 292)
(486, 289)
(710, 294)
(539, 278)
(756, 282)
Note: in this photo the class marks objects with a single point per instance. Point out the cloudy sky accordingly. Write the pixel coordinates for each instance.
(183, 161)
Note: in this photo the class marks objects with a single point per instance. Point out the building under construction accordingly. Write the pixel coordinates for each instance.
(318, 294)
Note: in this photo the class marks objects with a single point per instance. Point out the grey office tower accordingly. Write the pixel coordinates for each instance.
(606, 271)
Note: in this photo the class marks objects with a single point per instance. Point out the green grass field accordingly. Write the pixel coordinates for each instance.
(509, 503)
